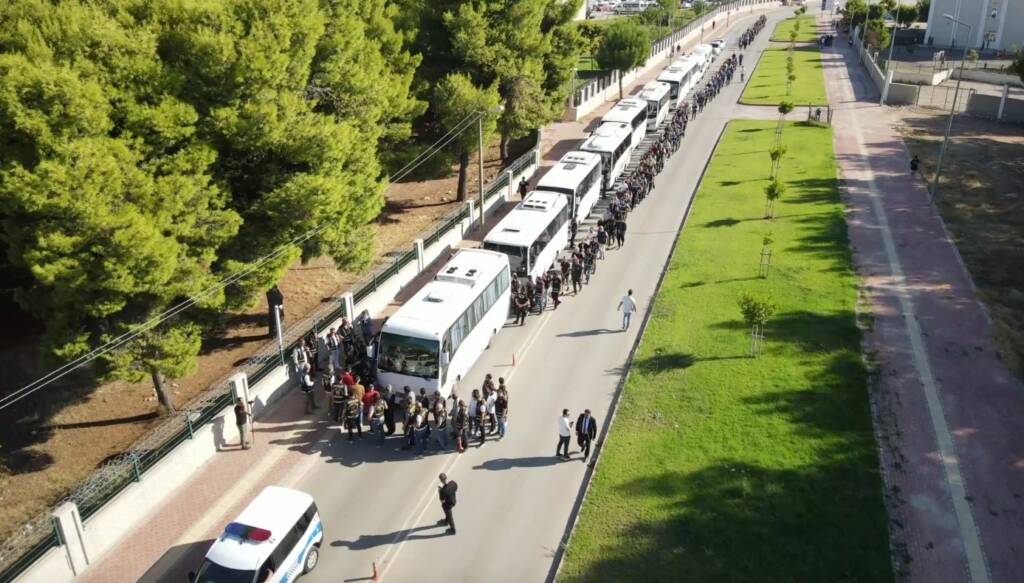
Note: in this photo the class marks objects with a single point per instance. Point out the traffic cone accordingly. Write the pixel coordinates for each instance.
(376, 576)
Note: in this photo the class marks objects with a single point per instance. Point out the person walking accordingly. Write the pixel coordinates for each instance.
(524, 187)
(446, 492)
(564, 434)
(522, 304)
(308, 389)
(586, 432)
(627, 306)
(242, 419)
(389, 397)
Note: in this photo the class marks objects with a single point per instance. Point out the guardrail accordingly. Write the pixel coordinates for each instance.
(37, 536)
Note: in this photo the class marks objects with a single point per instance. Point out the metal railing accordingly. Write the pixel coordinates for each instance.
(37, 536)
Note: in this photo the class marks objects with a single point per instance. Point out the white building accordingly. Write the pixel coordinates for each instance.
(994, 24)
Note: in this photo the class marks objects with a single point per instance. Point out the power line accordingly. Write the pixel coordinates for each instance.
(62, 371)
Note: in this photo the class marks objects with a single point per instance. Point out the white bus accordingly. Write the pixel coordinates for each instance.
(614, 142)
(657, 95)
(577, 176)
(681, 76)
(704, 55)
(532, 234)
(632, 111)
(436, 337)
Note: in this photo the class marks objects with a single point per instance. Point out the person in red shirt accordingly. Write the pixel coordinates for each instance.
(347, 379)
(369, 398)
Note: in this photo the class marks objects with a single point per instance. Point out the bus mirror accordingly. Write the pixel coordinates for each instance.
(444, 358)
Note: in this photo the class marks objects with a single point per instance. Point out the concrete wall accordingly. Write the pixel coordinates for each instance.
(926, 77)
(988, 77)
(1014, 111)
(899, 93)
(987, 106)
(1006, 28)
(125, 512)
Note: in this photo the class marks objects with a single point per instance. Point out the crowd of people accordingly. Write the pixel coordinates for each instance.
(333, 366)
(750, 34)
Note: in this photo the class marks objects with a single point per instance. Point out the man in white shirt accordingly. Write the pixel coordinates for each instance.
(564, 434)
(628, 306)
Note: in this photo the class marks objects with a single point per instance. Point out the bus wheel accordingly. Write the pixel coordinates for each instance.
(312, 558)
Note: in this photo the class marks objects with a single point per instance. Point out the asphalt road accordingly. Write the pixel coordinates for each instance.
(379, 504)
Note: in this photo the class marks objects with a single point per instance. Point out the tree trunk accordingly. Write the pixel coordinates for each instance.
(160, 386)
(463, 168)
(506, 141)
(620, 85)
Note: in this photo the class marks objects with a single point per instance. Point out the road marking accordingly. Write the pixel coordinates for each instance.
(425, 503)
(976, 564)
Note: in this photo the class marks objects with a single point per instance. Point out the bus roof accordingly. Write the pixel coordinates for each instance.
(569, 171)
(607, 137)
(625, 110)
(654, 91)
(275, 509)
(434, 308)
(527, 221)
(703, 51)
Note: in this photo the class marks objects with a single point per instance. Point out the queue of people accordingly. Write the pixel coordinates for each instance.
(748, 35)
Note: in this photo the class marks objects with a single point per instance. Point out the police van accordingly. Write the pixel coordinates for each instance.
(274, 540)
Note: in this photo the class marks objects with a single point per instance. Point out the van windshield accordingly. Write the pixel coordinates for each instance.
(211, 572)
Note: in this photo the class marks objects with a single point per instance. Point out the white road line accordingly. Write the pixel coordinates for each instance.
(976, 564)
(425, 502)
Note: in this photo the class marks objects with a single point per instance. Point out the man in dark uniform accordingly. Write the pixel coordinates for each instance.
(446, 491)
(586, 432)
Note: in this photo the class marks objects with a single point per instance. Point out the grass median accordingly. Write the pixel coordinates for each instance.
(808, 29)
(722, 467)
(767, 86)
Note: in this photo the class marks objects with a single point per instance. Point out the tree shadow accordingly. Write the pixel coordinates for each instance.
(584, 333)
(736, 521)
(500, 464)
(730, 222)
(664, 362)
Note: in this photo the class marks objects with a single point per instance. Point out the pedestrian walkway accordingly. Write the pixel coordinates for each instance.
(948, 412)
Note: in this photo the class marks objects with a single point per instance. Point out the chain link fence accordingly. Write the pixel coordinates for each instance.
(37, 536)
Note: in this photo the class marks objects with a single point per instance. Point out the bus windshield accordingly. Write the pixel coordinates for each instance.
(211, 572)
(516, 256)
(409, 356)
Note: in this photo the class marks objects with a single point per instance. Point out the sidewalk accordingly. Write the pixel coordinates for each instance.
(948, 412)
(288, 445)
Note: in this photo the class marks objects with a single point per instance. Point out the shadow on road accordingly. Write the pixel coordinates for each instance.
(369, 541)
(506, 463)
(593, 332)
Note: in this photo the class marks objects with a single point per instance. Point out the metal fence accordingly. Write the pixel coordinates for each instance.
(37, 536)
(597, 84)
(942, 96)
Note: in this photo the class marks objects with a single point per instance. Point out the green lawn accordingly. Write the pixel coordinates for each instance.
(767, 86)
(721, 467)
(808, 29)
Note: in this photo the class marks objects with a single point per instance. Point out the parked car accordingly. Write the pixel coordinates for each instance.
(718, 45)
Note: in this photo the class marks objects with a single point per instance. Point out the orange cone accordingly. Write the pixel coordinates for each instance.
(376, 576)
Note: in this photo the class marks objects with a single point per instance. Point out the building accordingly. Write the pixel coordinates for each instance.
(994, 24)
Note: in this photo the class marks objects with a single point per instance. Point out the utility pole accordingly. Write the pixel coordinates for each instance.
(952, 110)
(480, 161)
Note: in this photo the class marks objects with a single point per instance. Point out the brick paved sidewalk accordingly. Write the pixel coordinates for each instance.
(948, 412)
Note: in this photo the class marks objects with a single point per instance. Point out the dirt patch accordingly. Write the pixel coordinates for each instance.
(50, 443)
(981, 198)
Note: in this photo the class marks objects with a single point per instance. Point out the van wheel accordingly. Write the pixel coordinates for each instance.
(312, 558)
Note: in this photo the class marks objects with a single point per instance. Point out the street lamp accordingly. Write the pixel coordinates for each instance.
(952, 109)
(481, 114)
(892, 43)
